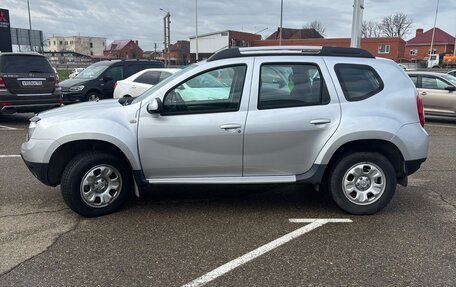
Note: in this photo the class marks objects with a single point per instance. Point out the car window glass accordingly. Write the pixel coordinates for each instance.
(149, 77)
(358, 82)
(432, 83)
(25, 64)
(414, 80)
(205, 93)
(133, 69)
(164, 75)
(92, 72)
(116, 73)
(291, 85)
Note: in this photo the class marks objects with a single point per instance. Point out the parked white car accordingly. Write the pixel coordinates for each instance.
(75, 72)
(136, 84)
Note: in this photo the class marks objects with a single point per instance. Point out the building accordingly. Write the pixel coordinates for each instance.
(290, 33)
(69, 59)
(123, 49)
(418, 48)
(179, 53)
(210, 43)
(391, 48)
(79, 44)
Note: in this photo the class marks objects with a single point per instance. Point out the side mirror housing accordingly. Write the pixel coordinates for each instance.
(155, 107)
(450, 88)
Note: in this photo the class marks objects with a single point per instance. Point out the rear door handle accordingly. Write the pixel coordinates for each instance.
(320, 121)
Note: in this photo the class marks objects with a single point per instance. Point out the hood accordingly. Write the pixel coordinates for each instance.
(73, 82)
(86, 110)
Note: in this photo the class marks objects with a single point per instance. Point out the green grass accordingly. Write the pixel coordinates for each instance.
(63, 74)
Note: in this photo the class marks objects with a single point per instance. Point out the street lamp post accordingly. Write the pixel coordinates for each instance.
(196, 28)
(357, 22)
(281, 16)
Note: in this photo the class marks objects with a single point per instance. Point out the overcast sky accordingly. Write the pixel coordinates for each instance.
(142, 20)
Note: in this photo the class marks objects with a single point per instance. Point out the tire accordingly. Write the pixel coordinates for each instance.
(93, 96)
(362, 183)
(109, 191)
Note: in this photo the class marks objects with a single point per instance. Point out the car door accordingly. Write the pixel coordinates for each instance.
(109, 79)
(197, 137)
(288, 123)
(143, 82)
(436, 99)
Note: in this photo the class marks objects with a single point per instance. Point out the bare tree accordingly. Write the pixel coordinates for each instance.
(317, 25)
(396, 25)
(371, 29)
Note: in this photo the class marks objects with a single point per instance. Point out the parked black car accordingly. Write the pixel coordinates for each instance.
(98, 80)
(28, 83)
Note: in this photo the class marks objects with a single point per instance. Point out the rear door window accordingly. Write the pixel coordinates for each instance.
(149, 77)
(25, 64)
(358, 82)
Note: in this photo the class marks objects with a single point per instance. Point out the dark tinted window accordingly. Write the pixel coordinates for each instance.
(25, 64)
(149, 77)
(204, 93)
(358, 82)
(116, 73)
(291, 85)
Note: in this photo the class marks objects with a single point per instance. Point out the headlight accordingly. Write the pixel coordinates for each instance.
(76, 88)
(30, 131)
(32, 126)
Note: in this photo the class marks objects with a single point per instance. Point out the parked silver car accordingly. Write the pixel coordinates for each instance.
(334, 117)
(438, 92)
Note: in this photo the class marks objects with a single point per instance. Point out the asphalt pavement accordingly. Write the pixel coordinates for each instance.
(177, 235)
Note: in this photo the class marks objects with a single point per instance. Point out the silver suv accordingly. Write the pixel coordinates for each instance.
(338, 118)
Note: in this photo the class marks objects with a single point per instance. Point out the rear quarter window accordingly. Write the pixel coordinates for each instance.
(358, 82)
(25, 64)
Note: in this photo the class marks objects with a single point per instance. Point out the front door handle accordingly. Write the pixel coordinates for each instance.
(320, 121)
(230, 126)
(423, 93)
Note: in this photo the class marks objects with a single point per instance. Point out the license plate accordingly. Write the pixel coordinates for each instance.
(32, 83)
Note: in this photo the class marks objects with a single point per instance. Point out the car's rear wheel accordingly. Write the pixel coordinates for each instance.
(95, 183)
(362, 183)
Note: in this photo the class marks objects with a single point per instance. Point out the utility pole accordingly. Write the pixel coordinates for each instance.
(281, 16)
(155, 50)
(433, 30)
(357, 22)
(30, 27)
(196, 27)
(167, 30)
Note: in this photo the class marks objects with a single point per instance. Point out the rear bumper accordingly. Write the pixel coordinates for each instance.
(11, 103)
(413, 165)
(24, 108)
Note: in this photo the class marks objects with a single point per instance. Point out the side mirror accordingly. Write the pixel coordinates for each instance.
(107, 79)
(155, 107)
(450, 88)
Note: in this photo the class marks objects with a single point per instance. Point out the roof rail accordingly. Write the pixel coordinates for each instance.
(290, 50)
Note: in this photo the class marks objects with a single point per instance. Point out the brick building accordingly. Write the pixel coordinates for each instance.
(123, 49)
(391, 48)
(290, 33)
(179, 53)
(418, 48)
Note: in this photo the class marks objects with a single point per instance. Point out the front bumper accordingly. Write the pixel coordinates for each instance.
(72, 97)
(39, 170)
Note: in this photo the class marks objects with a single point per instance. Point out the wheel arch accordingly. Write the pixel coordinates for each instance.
(65, 152)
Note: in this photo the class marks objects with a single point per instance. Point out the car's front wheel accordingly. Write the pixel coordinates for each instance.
(95, 183)
(362, 182)
(93, 97)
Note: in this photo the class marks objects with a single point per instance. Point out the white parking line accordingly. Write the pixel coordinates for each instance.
(8, 128)
(9, 155)
(313, 224)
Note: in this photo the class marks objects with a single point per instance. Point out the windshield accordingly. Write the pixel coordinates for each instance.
(450, 78)
(92, 72)
(162, 83)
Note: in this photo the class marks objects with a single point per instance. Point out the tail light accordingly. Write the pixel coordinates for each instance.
(419, 105)
(56, 83)
(2, 84)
